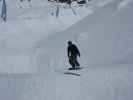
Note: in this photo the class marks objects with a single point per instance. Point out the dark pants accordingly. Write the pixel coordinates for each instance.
(73, 61)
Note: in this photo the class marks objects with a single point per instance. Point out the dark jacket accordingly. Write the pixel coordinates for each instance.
(73, 51)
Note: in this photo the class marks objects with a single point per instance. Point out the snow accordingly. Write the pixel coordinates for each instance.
(28, 23)
(124, 3)
(96, 83)
(107, 83)
(32, 47)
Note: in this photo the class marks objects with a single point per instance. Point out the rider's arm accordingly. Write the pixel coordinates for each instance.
(77, 51)
(68, 52)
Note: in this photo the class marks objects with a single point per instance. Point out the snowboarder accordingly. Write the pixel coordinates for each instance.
(73, 52)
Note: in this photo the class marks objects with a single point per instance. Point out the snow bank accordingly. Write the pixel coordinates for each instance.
(27, 24)
(105, 37)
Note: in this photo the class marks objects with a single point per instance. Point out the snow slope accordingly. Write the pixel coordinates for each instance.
(104, 39)
(23, 34)
(27, 23)
(101, 83)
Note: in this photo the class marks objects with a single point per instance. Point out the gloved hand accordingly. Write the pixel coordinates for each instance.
(69, 57)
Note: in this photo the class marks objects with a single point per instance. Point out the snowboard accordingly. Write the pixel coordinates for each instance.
(70, 71)
(78, 68)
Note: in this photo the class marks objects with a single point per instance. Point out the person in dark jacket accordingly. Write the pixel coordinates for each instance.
(73, 53)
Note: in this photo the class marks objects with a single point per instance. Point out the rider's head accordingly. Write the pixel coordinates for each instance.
(69, 42)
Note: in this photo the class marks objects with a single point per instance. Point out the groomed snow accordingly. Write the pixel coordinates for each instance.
(31, 51)
(27, 24)
(95, 83)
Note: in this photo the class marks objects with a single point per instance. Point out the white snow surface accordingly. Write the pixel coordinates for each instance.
(97, 83)
(27, 24)
(33, 45)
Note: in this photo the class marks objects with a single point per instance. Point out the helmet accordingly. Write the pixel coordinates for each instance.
(69, 42)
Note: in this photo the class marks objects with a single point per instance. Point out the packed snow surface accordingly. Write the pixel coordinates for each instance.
(33, 45)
